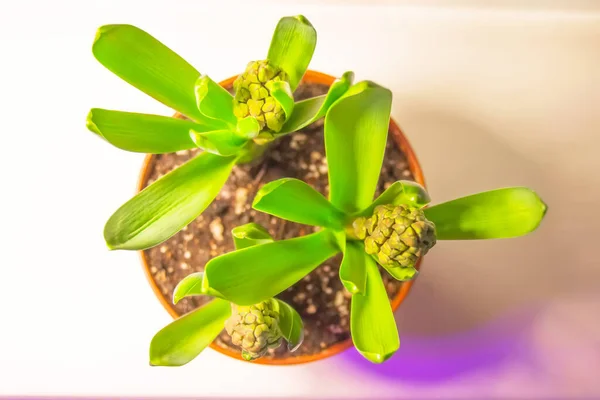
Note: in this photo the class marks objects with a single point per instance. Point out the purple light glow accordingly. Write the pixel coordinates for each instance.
(439, 358)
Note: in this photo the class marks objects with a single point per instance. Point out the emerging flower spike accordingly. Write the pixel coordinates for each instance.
(253, 95)
(254, 328)
(396, 235)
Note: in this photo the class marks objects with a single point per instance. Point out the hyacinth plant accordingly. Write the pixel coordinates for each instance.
(393, 230)
(230, 129)
(255, 328)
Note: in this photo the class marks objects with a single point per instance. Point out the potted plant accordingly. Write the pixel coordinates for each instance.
(393, 231)
(179, 181)
(212, 158)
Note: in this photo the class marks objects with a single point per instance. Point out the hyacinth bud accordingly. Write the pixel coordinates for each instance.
(396, 235)
(254, 328)
(253, 95)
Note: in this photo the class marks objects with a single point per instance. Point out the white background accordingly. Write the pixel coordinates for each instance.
(489, 96)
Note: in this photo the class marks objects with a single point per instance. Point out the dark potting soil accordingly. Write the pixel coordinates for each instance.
(320, 298)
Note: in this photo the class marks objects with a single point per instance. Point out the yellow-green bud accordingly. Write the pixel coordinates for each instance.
(253, 95)
(254, 328)
(396, 235)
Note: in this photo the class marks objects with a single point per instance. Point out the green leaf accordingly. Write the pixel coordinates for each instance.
(310, 110)
(372, 323)
(256, 273)
(248, 128)
(173, 201)
(290, 324)
(214, 101)
(401, 273)
(183, 339)
(191, 285)
(401, 192)
(353, 271)
(292, 47)
(142, 133)
(356, 128)
(500, 213)
(294, 200)
(281, 91)
(144, 62)
(220, 142)
(250, 235)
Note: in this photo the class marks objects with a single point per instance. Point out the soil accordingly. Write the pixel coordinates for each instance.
(320, 298)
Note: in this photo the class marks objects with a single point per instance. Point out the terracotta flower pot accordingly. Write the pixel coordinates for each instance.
(415, 168)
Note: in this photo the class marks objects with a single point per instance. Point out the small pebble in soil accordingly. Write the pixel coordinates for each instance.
(241, 197)
(216, 228)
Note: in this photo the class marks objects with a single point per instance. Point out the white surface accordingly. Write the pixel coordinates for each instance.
(487, 97)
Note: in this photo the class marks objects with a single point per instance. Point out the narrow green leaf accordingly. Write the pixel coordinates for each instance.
(305, 113)
(353, 271)
(191, 285)
(144, 62)
(142, 133)
(356, 128)
(256, 273)
(183, 339)
(401, 192)
(500, 213)
(220, 142)
(292, 47)
(250, 235)
(214, 101)
(372, 323)
(173, 201)
(291, 325)
(310, 110)
(296, 201)
(283, 94)
(248, 128)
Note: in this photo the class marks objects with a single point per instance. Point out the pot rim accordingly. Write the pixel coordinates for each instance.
(413, 164)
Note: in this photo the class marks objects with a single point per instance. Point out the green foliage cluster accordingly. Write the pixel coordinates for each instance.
(394, 229)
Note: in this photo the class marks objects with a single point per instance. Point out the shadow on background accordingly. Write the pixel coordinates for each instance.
(475, 302)
(429, 359)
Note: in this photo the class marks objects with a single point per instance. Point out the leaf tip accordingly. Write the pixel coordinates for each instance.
(257, 198)
(348, 77)
(102, 32)
(293, 346)
(266, 189)
(201, 88)
(351, 287)
(377, 358)
(104, 29)
(544, 207)
(301, 18)
(156, 361)
(90, 124)
(111, 241)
